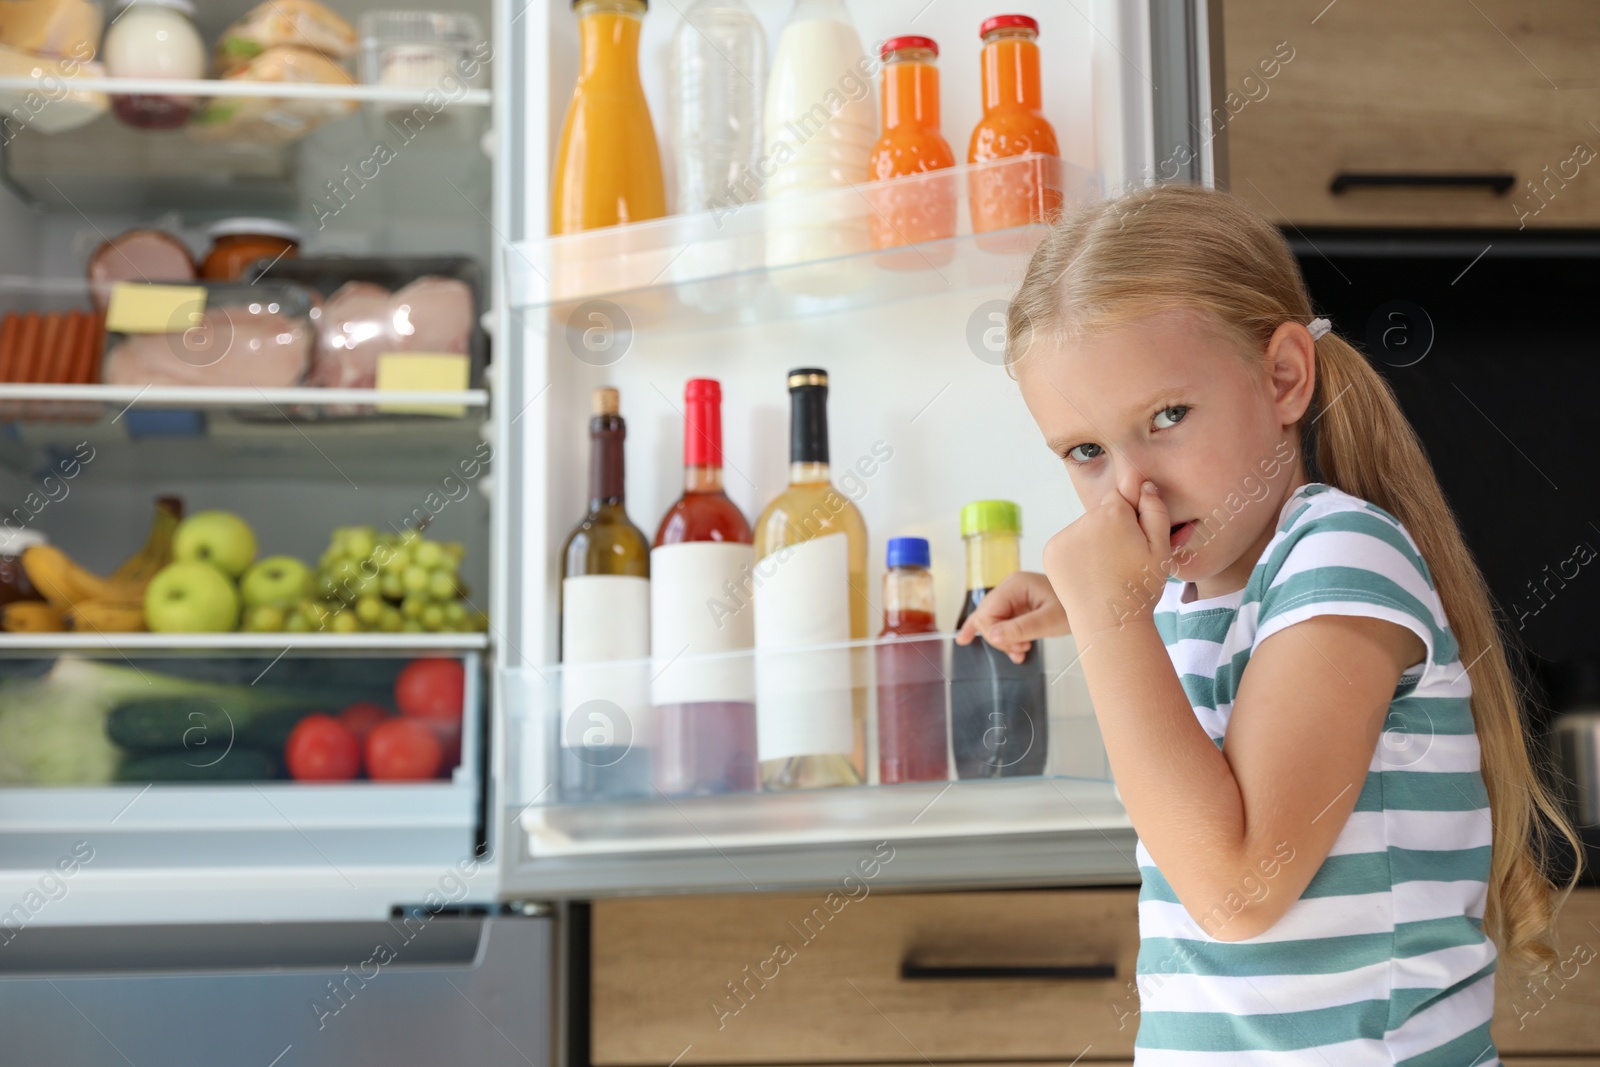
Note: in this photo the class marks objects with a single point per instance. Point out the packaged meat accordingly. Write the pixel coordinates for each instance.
(272, 120)
(249, 335)
(361, 321)
(138, 256)
(50, 104)
(302, 23)
(52, 27)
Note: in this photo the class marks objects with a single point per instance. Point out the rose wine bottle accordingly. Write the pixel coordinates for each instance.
(705, 712)
(912, 723)
(810, 588)
(605, 630)
(998, 724)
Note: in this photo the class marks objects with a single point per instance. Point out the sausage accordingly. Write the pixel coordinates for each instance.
(8, 342)
(49, 336)
(65, 353)
(27, 344)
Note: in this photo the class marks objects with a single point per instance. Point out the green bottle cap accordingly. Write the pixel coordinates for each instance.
(987, 516)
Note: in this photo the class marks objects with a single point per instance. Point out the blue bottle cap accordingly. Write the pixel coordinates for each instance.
(908, 552)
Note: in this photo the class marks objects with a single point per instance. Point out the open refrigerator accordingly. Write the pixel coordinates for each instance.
(238, 921)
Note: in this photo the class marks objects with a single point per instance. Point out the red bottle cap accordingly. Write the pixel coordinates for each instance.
(1002, 21)
(702, 423)
(894, 44)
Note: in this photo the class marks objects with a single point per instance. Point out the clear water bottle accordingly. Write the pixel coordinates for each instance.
(719, 65)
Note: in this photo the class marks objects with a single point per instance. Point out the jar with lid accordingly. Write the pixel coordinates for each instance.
(14, 583)
(154, 39)
(239, 242)
(1005, 195)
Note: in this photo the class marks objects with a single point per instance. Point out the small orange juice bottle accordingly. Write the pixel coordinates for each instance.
(1013, 124)
(911, 212)
(608, 165)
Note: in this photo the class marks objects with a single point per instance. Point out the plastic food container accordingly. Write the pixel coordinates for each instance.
(257, 335)
(237, 243)
(154, 39)
(420, 50)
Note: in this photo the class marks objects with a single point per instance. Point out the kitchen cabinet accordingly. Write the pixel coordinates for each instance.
(1342, 114)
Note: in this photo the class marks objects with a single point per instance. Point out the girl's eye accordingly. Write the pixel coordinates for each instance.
(1072, 455)
(1182, 409)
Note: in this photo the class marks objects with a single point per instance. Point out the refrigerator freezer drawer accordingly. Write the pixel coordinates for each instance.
(421, 990)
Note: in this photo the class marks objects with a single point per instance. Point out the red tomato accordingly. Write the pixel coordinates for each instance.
(431, 689)
(322, 749)
(402, 750)
(362, 716)
(448, 734)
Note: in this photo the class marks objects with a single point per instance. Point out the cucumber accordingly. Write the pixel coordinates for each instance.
(197, 726)
(239, 765)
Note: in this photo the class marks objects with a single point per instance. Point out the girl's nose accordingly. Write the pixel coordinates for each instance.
(1130, 476)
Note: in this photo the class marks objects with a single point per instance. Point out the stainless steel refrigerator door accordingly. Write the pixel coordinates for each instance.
(421, 990)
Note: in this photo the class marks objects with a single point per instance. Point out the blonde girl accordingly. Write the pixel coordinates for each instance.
(1304, 697)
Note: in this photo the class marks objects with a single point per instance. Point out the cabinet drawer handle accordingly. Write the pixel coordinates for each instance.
(1499, 184)
(918, 972)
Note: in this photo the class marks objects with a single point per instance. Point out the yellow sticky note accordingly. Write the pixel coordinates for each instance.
(423, 372)
(139, 307)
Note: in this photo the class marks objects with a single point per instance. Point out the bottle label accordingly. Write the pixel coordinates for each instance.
(605, 705)
(803, 695)
(700, 606)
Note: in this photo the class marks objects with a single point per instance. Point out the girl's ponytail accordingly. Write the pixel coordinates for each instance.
(1178, 246)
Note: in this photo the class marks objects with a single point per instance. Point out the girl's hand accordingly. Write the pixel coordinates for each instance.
(1111, 564)
(1021, 609)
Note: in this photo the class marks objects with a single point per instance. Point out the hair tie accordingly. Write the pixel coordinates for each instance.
(1319, 328)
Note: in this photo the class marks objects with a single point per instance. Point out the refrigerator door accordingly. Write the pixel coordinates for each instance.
(923, 419)
(415, 990)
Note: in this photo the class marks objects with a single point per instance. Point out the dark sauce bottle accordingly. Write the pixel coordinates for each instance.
(998, 709)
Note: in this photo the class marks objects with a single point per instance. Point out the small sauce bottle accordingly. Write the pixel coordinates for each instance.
(924, 210)
(1013, 124)
(912, 744)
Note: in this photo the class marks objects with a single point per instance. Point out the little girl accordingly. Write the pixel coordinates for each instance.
(1304, 698)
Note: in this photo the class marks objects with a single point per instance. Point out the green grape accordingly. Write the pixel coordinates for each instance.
(455, 612)
(359, 541)
(479, 622)
(369, 609)
(433, 618)
(442, 585)
(429, 554)
(415, 579)
(391, 586)
(344, 622)
(325, 585)
(365, 584)
(413, 606)
(393, 621)
(313, 612)
(412, 626)
(456, 551)
(329, 558)
(295, 623)
(396, 561)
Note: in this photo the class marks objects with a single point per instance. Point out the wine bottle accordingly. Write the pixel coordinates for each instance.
(705, 740)
(810, 588)
(605, 630)
(998, 723)
(913, 742)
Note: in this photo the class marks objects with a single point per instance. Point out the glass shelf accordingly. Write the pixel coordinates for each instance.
(14, 644)
(756, 261)
(208, 87)
(584, 741)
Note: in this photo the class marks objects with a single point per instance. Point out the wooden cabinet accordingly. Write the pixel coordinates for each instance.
(1487, 89)
(948, 978)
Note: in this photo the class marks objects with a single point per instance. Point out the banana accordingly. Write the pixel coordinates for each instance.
(31, 617)
(106, 616)
(64, 583)
(157, 550)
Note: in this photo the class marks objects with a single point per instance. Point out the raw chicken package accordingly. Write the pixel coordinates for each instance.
(248, 336)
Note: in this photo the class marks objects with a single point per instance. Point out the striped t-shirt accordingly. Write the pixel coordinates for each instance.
(1383, 959)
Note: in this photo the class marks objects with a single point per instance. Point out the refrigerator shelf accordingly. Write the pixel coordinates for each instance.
(199, 644)
(764, 260)
(24, 400)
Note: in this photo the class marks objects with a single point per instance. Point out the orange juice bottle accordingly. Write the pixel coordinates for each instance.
(608, 166)
(925, 209)
(1013, 124)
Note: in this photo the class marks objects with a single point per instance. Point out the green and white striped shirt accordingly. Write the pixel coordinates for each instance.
(1383, 959)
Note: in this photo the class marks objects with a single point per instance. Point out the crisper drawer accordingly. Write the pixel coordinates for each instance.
(157, 785)
(411, 992)
(856, 976)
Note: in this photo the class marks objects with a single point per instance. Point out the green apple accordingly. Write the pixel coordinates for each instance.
(264, 619)
(191, 598)
(277, 581)
(219, 538)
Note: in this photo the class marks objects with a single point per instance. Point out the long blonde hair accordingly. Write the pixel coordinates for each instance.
(1178, 246)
